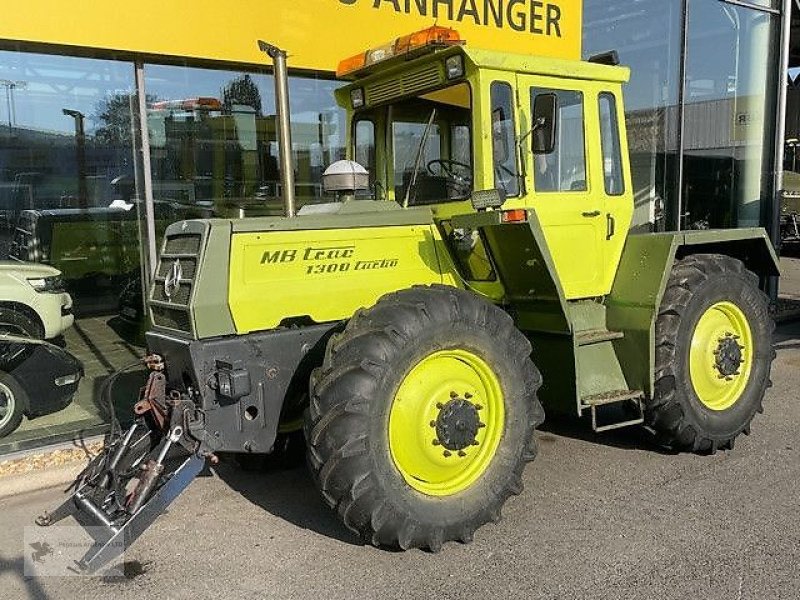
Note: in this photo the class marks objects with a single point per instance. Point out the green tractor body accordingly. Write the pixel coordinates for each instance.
(413, 328)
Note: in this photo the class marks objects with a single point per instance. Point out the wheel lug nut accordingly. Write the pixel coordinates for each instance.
(454, 394)
(481, 424)
(439, 405)
(479, 407)
(461, 453)
(433, 423)
(474, 442)
(447, 454)
(467, 395)
(436, 442)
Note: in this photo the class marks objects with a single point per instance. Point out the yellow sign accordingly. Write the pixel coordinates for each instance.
(316, 33)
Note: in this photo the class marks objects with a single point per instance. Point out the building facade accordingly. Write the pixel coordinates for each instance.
(113, 126)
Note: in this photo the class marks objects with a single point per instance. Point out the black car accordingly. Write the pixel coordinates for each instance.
(36, 379)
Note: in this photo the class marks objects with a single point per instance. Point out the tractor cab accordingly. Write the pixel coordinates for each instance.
(434, 121)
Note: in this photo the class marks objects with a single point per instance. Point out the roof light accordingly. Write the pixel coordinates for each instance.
(357, 97)
(432, 36)
(189, 104)
(454, 66)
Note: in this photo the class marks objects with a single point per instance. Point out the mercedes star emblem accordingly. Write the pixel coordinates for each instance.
(172, 282)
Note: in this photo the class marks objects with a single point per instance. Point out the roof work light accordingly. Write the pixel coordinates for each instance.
(431, 37)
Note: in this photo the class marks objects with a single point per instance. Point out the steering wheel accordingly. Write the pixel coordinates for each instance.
(449, 168)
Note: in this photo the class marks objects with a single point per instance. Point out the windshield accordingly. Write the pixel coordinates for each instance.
(430, 166)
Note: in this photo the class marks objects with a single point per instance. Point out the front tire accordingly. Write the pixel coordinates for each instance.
(18, 323)
(13, 403)
(422, 416)
(713, 354)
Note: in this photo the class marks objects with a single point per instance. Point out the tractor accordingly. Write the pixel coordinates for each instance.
(473, 269)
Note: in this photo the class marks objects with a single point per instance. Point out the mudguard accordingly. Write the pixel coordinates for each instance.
(644, 269)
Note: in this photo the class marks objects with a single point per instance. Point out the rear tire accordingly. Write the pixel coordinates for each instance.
(367, 448)
(713, 354)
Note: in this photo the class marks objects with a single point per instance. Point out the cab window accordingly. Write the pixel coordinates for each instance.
(506, 175)
(432, 147)
(564, 169)
(364, 147)
(610, 144)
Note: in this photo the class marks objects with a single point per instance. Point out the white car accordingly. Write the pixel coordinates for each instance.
(33, 301)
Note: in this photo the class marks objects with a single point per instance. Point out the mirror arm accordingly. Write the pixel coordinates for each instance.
(539, 122)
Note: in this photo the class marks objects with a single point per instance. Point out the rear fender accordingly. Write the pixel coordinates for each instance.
(642, 276)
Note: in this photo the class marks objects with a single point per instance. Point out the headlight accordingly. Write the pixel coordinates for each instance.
(49, 285)
(454, 66)
(357, 97)
(67, 379)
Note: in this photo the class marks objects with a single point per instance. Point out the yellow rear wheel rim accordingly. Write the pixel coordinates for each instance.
(721, 356)
(446, 422)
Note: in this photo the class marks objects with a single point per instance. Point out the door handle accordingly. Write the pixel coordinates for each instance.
(594, 213)
(611, 226)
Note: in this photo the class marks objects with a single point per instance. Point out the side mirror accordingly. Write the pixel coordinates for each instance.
(544, 123)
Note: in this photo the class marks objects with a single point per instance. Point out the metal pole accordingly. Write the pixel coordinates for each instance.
(147, 176)
(780, 133)
(681, 113)
(278, 57)
(780, 123)
(8, 103)
(80, 154)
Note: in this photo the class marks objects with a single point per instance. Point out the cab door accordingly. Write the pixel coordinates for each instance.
(570, 206)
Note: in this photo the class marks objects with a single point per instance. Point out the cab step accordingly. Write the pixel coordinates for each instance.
(596, 336)
(596, 401)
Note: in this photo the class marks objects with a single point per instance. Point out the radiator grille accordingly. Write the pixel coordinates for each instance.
(171, 294)
(427, 77)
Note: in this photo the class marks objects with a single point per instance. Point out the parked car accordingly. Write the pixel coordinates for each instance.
(37, 378)
(33, 301)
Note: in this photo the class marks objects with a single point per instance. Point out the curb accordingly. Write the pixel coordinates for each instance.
(35, 481)
(49, 467)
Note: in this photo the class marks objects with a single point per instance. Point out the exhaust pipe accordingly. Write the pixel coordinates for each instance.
(281, 75)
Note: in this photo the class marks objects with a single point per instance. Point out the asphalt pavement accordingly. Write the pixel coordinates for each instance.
(602, 516)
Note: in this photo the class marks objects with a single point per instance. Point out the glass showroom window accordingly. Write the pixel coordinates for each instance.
(68, 205)
(647, 35)
(214, 145)
(731, 79)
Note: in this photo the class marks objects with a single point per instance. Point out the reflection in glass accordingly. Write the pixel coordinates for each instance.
(647, 35)
(69, 237)
(730, 80)
(213, 139)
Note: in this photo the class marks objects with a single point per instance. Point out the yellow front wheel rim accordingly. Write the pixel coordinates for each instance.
(446, 422)
(721, 356)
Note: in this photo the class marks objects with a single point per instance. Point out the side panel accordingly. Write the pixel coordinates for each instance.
(325, 275)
